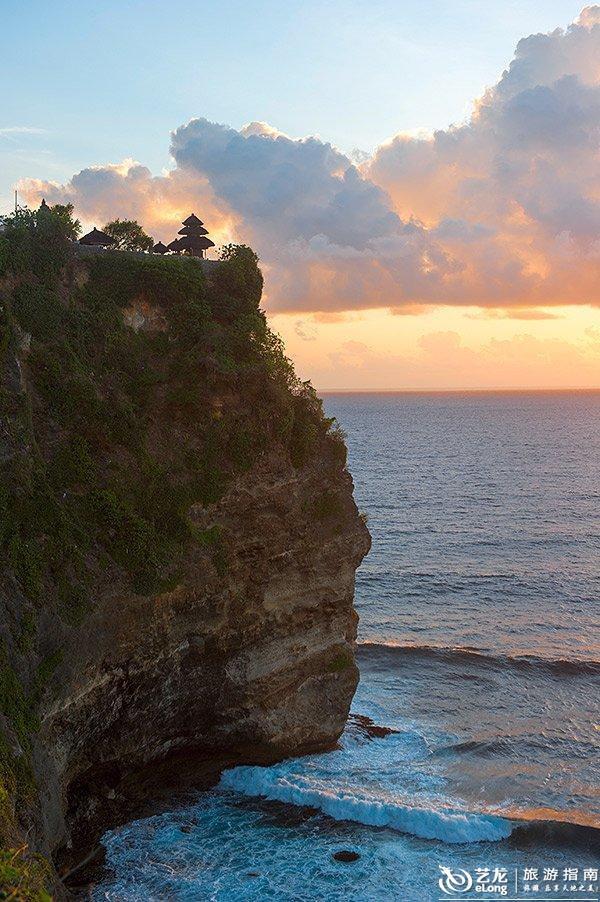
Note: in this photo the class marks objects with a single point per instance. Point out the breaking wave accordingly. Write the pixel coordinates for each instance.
(445, 824)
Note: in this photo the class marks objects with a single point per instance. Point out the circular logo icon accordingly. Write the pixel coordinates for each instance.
(454, 881)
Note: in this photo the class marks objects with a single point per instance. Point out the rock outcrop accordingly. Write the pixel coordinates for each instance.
(176, 585)
(257, 659)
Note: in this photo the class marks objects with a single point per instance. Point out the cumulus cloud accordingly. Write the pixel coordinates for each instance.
(521, 178)
(501, 212)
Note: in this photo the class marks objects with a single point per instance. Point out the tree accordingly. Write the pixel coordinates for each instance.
(239, 274)
(129, 235)
(72, 226)
(38, 241)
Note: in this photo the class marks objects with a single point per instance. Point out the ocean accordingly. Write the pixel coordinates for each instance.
(479, 657)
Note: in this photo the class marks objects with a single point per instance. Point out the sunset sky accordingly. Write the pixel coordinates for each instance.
(421, 179)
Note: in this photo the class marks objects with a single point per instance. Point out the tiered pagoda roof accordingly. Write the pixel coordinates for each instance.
(193, 241)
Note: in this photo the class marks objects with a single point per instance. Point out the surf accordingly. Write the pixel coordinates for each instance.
(448, 825)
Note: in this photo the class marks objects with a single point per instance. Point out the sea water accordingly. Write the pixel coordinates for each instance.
(479, 652)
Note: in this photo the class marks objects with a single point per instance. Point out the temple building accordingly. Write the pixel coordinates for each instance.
(193, 241)
(174, 246)
(160, 248)
(96, 238)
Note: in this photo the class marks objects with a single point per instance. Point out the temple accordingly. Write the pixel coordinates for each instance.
(96, 238)
(193, 241)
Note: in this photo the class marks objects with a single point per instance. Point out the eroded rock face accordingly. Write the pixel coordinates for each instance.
(252, 651)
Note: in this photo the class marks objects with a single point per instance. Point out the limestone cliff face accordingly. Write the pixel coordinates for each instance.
(259, 659)
(178, 539)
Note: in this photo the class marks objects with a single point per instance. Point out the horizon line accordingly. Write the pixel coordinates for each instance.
(449, 391)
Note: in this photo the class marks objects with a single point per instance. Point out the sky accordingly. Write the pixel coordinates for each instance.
(420, 179)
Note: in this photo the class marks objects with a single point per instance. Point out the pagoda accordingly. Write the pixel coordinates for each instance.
(193, 241)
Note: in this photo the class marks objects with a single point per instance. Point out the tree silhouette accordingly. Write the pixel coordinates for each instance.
(128, 235)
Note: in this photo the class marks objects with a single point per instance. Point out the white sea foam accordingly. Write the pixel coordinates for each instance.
(339, 802)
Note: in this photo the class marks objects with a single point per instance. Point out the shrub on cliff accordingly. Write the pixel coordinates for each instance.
(72, 226)
(23, 877)
(238, 283)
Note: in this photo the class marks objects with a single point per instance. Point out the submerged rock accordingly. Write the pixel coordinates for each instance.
(346, 855)
(369, 728)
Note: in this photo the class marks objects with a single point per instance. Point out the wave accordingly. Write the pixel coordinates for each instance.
(475, 656)
(445, 824)
(521, 747)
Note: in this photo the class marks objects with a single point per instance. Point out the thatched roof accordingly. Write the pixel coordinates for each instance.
(98, 238)
(193, 230)
(193, 221)
(195, 243)
(174, 245)
(160, 248)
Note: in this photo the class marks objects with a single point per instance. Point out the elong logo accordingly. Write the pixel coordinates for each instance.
(452, 882)
(487, 881)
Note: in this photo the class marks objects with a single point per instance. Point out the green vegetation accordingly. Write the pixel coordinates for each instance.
(35, 243)
(44, 671)
(24, 640)
(15, 705)
(23, 877)
(128, 235)
(327, 506)
(71, 225)
(341, 662)
(225, 389)
(17, 785)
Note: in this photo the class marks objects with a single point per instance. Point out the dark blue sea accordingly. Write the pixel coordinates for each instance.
(479, 649)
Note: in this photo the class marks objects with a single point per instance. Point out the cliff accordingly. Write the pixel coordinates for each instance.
(178, 539)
